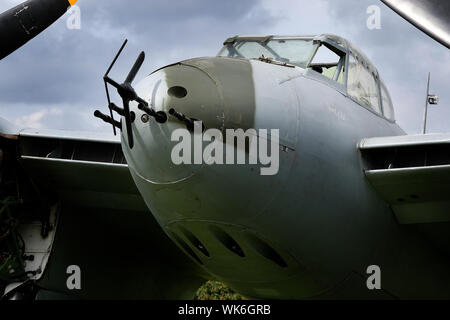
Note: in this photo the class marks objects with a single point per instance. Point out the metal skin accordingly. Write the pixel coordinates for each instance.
(25, 21)
(310, 231)
(430, 16)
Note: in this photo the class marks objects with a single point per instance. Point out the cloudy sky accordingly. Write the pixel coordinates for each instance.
(55, 81)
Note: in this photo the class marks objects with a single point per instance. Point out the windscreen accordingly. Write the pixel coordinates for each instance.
(293, 51)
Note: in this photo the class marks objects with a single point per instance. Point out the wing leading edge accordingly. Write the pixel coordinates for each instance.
(412, 174)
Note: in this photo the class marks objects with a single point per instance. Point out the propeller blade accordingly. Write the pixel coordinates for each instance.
(25, 21)
(136, 67)
(431, 16)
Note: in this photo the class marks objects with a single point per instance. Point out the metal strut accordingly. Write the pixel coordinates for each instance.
(128, 94)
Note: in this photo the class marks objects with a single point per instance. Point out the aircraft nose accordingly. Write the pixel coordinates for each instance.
(214, 211)
(217, 91)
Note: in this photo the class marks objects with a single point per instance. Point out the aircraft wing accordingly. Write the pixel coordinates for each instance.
(412, 174)
(104, 226)
(430, 16)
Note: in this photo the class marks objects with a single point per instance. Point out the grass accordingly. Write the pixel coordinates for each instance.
(215, 290)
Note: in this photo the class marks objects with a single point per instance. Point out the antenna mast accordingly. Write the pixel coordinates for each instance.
(430, 99)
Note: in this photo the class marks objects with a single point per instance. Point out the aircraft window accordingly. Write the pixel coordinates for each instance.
(252, 49)
(388, 108)
(362, 85)
(292, 51)
(329, 64)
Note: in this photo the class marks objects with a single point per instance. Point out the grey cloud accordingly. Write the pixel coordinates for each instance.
(63, 68)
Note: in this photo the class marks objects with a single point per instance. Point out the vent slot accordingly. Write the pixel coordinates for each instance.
(186, 247)
(194, 241)
(265, 250)
(227, 241)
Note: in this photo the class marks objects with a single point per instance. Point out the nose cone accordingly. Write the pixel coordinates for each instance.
(217, 91)
(214, 211)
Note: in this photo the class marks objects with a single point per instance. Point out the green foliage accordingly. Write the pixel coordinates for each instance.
(215, 290)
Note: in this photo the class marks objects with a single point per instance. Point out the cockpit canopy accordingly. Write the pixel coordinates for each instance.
(291, 50)
(328, 55)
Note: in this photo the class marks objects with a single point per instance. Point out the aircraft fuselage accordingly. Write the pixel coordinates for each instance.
(311, 230)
